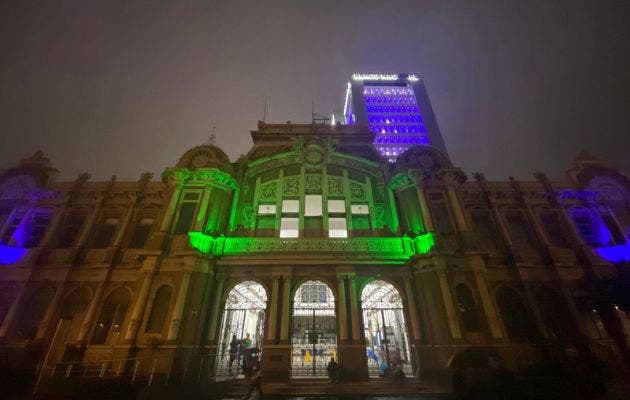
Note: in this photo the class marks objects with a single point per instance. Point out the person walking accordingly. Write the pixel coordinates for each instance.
(234, 347)
(333, 371)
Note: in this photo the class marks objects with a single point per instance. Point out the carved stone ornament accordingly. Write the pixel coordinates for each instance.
(210, 176)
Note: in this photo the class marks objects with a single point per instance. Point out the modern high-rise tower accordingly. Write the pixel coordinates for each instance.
(396, 107)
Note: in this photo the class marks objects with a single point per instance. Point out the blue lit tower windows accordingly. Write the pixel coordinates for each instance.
(396, 107)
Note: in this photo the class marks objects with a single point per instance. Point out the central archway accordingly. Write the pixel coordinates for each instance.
(314, 336)
(386, 333)
(242, 325)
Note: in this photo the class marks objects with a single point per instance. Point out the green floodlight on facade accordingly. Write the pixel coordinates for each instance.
(391, 248)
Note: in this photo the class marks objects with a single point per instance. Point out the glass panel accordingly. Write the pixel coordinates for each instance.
(105, 233)
(290, 206)
(336, 206)
(186, 215)
(360, 209)
(313, 205)
(337, 228)
(289, 228)
(266, 209)
(141, 234)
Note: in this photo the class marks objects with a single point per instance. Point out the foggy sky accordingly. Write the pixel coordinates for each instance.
(121, 87)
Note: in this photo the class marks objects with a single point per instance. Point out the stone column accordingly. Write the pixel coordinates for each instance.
(169, 214)
(354, 309)
(343, 308)
(90, 314)
(124, 225)
(273, 310)
(216, 305)
(178, 310)
(413, 310)
(89, 224)
(492, 316)
(424, 207)
(42, 329)
(449, 305)
(149, 265)
(456, 205)
(286, 308)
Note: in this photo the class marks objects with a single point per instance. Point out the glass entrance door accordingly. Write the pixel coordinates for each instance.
(386, 334)
(314, 336)
(242, 325)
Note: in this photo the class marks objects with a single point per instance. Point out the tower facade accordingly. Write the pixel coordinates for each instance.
(396, 107)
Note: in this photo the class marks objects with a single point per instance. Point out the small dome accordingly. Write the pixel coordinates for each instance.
(205, 156)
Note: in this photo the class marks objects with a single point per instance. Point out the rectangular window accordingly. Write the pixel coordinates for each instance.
(336, 206)
(289, 227)
(290, 206)
(71, 230)
(13, 225)
(583, 220)
(441, 215)
(38, 229)
(313, 205)
(105, 233)
(141, 233)
(360, 209)
(267, 209)
(186, 216)
(553, 228)
(337, 228)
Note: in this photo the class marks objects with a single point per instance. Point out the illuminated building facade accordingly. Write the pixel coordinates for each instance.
(311, 246)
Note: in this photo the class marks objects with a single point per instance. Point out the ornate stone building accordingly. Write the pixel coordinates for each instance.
(309, 247)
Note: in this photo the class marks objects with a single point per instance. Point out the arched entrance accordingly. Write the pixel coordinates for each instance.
(386, 334)
(243, 320)
(314, 337)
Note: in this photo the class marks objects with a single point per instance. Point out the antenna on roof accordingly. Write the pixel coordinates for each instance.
(265, 110)
(212, 136)
(318, 118)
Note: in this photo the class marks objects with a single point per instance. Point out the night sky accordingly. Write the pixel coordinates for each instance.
(121, 87)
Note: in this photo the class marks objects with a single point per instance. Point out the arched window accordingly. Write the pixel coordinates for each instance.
(157, 317)
(554, 228)
(113, 313)
(517, 319)
(467, 308)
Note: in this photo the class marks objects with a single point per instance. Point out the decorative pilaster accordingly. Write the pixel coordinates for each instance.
(90, 314)
(413, 310)
(273, 310)
(286, 308)
(342, 307)
(216, 305)
(149, 265)
(178, 310)
(449, 306)
(357, 334)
